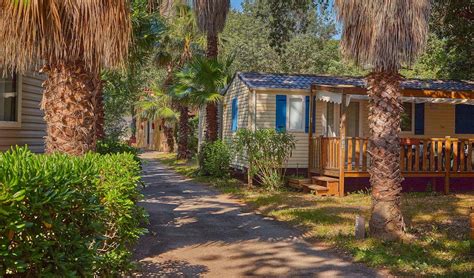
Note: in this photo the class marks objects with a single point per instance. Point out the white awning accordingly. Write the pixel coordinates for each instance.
(337, 98)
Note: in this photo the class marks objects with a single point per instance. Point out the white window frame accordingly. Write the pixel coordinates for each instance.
(412, 130)
(19, 94)
(303, 99)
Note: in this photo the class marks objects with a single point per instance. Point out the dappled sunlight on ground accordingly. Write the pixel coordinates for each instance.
(438, 224)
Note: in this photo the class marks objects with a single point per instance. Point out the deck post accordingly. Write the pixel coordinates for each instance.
(310, 132)
(321, 154)
(447, 163)
(342, 149)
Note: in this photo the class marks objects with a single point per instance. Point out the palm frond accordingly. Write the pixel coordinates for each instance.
(97, 33)
(383, 34)
(156, 106)
(201, 81)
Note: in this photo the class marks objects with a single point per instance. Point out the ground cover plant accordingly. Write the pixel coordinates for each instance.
(68, 216)
(437, 223)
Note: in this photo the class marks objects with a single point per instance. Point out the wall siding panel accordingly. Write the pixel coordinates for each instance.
(237, 89)
(33, 127)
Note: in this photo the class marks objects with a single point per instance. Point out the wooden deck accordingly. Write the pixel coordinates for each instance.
(419, 157)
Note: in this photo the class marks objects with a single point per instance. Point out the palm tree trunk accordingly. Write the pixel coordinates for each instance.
(183, 136)
(211, 108)
(100, 133)
(69, 105)
(385, 108)
(168, 131)
(212, 47)
(211, 122)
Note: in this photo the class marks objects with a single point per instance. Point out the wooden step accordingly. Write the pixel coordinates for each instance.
(324, 178)
(298, 183)
(316, 189)
(332, 184)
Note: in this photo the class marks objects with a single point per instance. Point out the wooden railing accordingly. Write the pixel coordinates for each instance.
(417, 155)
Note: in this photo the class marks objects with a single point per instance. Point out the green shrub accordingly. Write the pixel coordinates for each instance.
(110, 146)
(214, 159)
(68, 216)
(267, 152)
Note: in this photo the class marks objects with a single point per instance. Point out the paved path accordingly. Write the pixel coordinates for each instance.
(195, 231)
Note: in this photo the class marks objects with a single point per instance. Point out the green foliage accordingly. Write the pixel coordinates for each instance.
(68, 216)
(201, 81)
(123, 88)
(158, 106)
(284, 19)
(112, 146)
(430, 65)
(307, 50)
(267, 152)
(452, 22)
(214, 159)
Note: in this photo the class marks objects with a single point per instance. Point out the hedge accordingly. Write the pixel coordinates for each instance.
(68, 216)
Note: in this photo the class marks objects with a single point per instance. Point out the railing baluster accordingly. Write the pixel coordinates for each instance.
(425, 154)
(410, 157)
(469, 156)
(440, 156)
(432, 156)
(417, 157)
(357, 153)
(349, 154)
(364, 155)
(402, 157)
(461, 156)
(455, 156)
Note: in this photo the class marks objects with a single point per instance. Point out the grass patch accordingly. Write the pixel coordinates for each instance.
(439, 224)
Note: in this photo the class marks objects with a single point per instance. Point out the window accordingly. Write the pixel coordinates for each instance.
(463, 119)
(9, 101)
(235, 112)
(296, 113)
(330, 119)
(407, 117)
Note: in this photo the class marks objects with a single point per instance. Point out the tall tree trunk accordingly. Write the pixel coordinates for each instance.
(183, 135)
(211, 122)
(211, 108)
(100, 112)
(69, 103)
(385, 109)
(212, 47)
(168, 131)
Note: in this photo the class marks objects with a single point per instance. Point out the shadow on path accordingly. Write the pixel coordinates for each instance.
(195, 231)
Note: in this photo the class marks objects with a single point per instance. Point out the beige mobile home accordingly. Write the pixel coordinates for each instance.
(21, 120)
(438, 123)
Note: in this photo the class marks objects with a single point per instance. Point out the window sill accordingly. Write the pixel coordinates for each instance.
(10, 125)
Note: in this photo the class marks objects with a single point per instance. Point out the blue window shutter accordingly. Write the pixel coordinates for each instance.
(280, 113)
(306, 116)
(419, 118)
(234, 114)
(463, 119)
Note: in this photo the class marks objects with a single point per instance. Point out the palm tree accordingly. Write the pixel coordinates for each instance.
(383, 35)
(211, 16)
(201, 81)
(158, 106)
(181, 41)
(71, 41)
